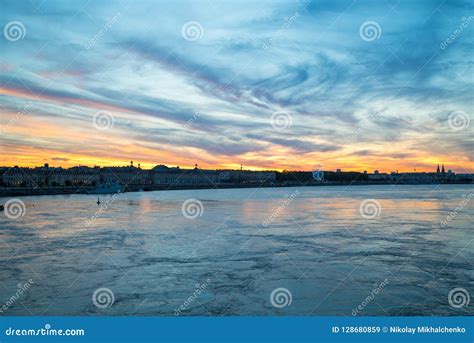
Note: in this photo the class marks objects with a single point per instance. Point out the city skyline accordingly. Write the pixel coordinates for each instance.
(272, 86)
(439, 168)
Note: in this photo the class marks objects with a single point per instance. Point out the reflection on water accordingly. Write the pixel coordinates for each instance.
(245, 244)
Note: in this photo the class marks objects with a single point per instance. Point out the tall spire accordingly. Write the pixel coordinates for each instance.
(437, 170)
(442, 170)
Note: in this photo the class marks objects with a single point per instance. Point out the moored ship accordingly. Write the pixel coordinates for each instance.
(107, 188)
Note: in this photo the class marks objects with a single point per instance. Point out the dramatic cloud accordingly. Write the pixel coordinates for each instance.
(347, 84)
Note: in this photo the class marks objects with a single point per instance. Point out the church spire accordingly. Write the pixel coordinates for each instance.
(437, 170)
(442, 170)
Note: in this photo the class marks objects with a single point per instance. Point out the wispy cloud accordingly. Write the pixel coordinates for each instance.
(317, 71)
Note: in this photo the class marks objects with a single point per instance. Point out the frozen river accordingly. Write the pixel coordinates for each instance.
(364, 250)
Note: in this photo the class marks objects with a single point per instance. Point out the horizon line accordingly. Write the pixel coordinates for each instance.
(138, 166)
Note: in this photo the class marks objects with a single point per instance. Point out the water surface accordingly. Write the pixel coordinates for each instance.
(312, 241)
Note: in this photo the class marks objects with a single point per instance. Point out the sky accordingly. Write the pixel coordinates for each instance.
(355, 85)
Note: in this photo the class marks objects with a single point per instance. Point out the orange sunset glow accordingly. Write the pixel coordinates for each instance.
(188, 108)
